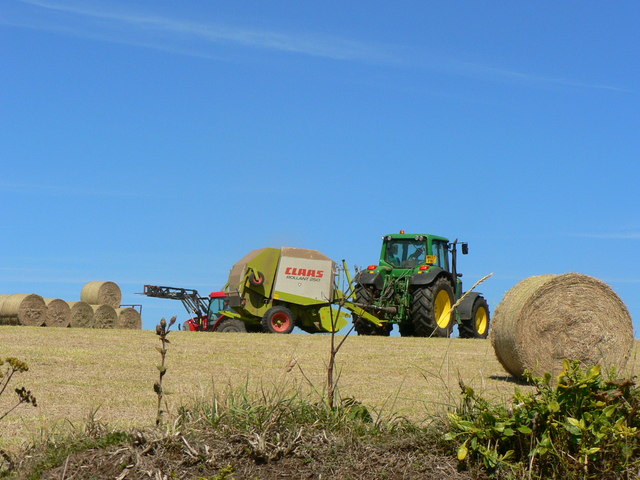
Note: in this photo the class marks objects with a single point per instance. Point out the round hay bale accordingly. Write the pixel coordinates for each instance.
(58, 313)
(22, 309)
(6, 321)
(101, 293)
(104, 316)
(2, 297)
(546, 319)
(81, 315)
(128, 318)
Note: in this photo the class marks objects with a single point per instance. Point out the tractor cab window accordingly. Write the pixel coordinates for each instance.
(216, 305)
(440, 251)
(405, 253)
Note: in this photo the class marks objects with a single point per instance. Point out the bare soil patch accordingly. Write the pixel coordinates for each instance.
(181, 457)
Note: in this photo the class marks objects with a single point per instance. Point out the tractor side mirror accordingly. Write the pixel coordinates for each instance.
(465, 248)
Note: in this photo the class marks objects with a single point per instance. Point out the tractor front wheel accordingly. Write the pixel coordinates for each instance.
(278, 320)
(431, 309)
(231, 325)
(478, 325)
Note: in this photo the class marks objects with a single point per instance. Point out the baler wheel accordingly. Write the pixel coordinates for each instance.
(231, 325)
(431, 309)
(278, 320)
(478, 325)
(256, 279)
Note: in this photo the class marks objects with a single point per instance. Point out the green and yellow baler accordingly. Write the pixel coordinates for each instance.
(275, 289)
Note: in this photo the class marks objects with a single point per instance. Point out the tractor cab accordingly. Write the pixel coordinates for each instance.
(219, 302)
(408, 251)
(403, 253)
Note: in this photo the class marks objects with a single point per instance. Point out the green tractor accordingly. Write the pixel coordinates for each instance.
(415, 286)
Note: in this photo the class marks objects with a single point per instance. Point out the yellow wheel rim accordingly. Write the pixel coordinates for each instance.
(481, 320)
(443, 309)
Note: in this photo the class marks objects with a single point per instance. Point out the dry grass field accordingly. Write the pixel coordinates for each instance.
(77, 373)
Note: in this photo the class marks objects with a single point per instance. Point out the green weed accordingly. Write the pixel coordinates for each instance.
(584, 426)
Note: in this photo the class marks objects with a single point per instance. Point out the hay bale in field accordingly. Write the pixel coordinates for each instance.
(128, 318)
(101, 293)
(548, 318)
(4, 321)
(104, 316)
(58, 313)
(81, 315)
(22, 309)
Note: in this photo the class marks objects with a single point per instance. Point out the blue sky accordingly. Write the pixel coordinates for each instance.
(156, 142)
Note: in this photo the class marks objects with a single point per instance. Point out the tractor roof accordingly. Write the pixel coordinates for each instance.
(413, 236)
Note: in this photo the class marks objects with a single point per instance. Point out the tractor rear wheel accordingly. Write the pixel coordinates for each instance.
(431, 309)
(231, 325)
(278, 320)
(478, 325)
(366, 295)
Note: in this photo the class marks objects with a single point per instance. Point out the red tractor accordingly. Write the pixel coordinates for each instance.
(207, 311)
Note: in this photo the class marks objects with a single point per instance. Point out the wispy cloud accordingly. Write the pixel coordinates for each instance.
(609, 235)
(309, 44)
(535, 79)
(119, 24)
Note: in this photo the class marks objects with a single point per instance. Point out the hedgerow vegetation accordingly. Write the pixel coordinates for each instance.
(583, 426)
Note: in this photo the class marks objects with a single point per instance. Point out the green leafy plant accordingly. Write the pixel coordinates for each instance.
(583, 426)
(224, 474)
(162, 330)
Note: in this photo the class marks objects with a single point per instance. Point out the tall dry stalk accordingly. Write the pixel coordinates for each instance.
(332, 379)
(162, 330)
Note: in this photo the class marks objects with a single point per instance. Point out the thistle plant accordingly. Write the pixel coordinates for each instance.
(162, 330)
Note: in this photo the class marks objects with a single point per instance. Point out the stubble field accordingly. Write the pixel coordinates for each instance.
(109, 374)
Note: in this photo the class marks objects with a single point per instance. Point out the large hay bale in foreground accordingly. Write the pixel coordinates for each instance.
(128, 318)
(101, 293)
(546, 319)
(22, 309)
(104, 316)
(81, 315)
(58, 313)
